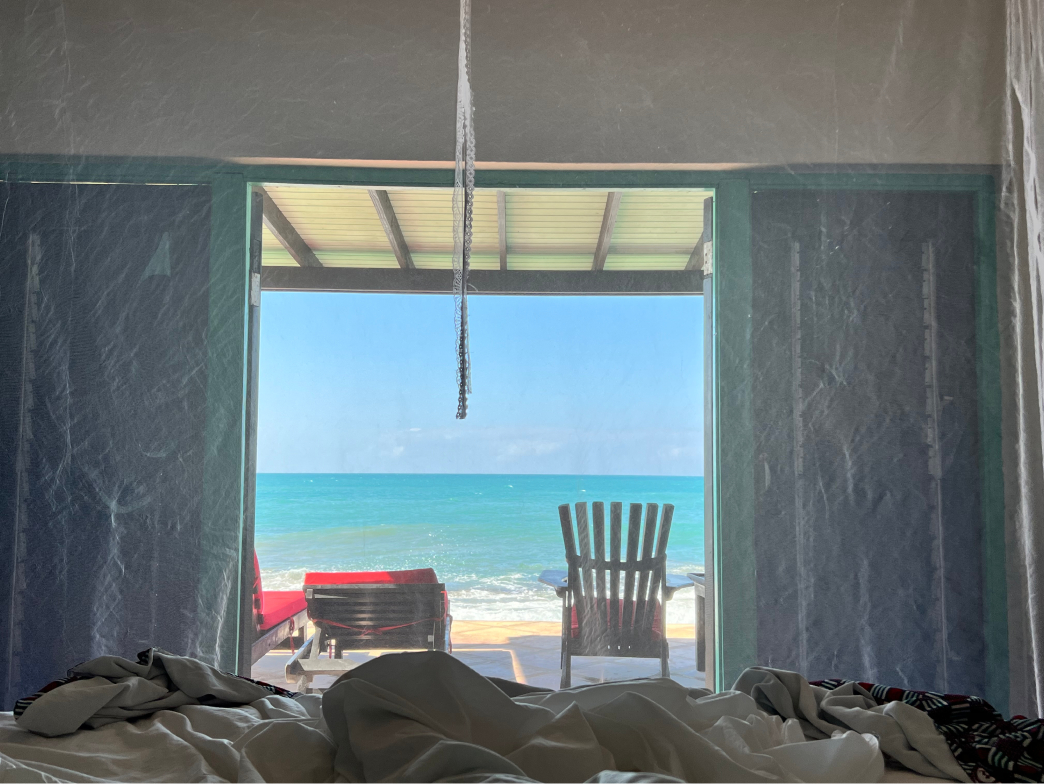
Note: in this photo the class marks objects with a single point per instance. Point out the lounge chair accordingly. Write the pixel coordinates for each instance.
(597, 618)
(278, 615)
(351, 611)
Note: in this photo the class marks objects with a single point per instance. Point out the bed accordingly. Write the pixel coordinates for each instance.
(428, 717)
(271, 742)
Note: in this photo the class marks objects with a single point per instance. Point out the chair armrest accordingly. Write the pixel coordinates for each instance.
(675, 583)
(557, 579)
(700, 581)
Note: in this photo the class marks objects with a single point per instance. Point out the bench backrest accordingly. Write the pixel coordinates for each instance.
(380, 615)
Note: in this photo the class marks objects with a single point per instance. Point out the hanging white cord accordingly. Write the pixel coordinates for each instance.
(463, 200)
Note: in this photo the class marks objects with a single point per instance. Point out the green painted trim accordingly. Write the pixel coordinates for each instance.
(109, 172)
(991, 458)
(872, 181)
(225, 420)
(160, 170)
(599, 179)
(736, 618)
(486, 178)
(157, 171)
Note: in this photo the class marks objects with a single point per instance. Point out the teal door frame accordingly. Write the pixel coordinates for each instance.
(226, 344)
(737, 622)
(731, 485)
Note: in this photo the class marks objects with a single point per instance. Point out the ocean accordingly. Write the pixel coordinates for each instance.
(487, 536)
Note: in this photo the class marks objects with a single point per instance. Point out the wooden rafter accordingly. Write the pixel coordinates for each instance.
(695, 261)
(284, 231)
(440, 281)
(502, 228)
(385, 211)
(696, 258)
(605, 236)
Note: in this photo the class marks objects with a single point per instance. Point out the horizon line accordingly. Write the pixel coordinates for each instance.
(467, 473)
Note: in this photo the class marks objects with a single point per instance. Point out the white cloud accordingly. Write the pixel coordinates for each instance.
(528, 448)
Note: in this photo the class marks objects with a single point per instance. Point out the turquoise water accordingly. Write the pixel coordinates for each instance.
(487, 536)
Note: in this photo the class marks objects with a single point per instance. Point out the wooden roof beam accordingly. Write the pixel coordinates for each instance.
(698, 257)
(285, 232)
(605, 236)
(385, 211)
(513, 282)
(502, 228)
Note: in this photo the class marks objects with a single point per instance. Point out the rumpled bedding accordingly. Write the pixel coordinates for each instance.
(271, 739)
(985, 744)
(428, 717)
(111, 688)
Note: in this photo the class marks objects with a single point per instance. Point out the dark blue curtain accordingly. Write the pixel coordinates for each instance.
(103, 350)
(868, 528)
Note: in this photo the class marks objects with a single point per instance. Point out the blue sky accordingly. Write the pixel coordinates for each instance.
(355, 383)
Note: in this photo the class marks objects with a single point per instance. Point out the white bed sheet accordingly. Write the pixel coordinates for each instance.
(427, 717)
(273, 739)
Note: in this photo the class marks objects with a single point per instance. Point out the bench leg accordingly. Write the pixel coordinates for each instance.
(317, 643)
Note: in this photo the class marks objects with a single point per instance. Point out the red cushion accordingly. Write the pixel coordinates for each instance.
(656, 624)
(409, 576)
(280, 605)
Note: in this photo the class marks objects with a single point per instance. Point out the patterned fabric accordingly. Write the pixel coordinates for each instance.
(25, 702)
(986, 746)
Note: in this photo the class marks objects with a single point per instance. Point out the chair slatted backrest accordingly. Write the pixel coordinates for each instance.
(616, 622)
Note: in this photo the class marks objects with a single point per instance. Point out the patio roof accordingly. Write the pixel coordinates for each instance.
(554, 241)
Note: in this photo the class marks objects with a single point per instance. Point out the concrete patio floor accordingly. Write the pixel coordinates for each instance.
(527, 652)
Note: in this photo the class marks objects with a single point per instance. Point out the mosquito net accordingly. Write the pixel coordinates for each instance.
(1021, 260)
(870, 263)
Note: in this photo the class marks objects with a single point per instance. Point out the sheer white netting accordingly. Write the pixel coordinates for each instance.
(463, 200)
(1023, 242)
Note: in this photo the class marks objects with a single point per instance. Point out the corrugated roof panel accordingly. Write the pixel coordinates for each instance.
(369, 259)
(444, 260)
(552, 221)
(547, 229)
(426, 218)
(331, 218)
(652, 222)
(562, 262)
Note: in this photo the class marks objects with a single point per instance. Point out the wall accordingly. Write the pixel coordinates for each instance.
(601, 81)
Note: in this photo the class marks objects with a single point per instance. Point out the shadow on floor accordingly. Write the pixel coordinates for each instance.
(527, 652)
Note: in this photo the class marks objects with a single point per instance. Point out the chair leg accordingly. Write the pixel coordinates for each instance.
(701, 634)
(566, 630)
